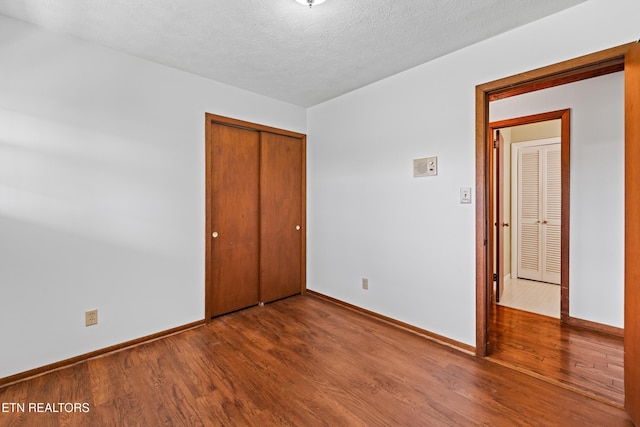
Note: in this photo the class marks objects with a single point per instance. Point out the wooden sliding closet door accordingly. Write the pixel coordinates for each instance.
(255, 214)
(280, 216)
(234, 218)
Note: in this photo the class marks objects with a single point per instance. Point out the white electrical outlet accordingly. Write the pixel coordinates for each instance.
(365, 283)
(91, 317)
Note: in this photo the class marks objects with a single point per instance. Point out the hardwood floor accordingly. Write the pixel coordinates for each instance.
(301, 361)
(590, 362)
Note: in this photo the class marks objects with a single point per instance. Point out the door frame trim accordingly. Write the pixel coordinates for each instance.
(565, 155)
(227, 121)
(581, 68)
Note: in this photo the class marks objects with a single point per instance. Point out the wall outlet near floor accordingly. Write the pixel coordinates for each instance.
(365, 283)
(91, 317)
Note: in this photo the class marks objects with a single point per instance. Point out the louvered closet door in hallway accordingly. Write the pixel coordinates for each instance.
(539, 213)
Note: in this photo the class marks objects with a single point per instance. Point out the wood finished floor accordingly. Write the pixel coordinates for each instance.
(301, 361)
(589, 361)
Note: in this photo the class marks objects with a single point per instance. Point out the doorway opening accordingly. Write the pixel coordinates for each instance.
(582, 68)
(530, 207)
(627, 58)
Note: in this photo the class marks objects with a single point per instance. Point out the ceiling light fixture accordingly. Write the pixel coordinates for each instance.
(311, 2)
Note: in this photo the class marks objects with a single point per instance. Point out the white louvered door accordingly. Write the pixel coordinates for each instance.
(529, 213)
(552, 212)
(539, 212)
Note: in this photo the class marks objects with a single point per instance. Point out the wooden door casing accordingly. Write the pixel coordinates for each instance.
(500, 219)
(632, 234)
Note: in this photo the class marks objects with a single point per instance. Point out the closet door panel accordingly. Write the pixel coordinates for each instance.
(281, 216)
(539, 213)
(234, 164)
(552, 214)
(529, 214)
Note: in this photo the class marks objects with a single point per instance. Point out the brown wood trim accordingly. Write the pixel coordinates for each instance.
(570, 77)
(43, 370)
(483, 295)
(632, 234)
(228, 121)
(303, 252)
(422, 332)
(530, 81)
(525, 120)
(595, 326)
(565, 154)
(587, 66)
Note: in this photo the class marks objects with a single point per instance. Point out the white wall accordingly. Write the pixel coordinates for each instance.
(102, 193)
(596, 259)
(411, 237)
(533, 131)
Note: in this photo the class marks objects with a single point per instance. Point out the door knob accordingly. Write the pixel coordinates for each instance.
(544, 222)
(297, 227)
(505, 224)
(214, 234)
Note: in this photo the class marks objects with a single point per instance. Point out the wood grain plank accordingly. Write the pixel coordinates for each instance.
(584, 359)
(302, 361)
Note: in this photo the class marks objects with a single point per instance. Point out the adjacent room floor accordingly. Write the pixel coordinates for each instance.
(529, 295)
(526, 334)
(583, 360)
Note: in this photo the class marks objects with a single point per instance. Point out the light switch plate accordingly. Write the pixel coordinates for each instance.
(465, 195)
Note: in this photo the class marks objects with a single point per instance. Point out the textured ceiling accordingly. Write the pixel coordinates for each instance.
(280, 48)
